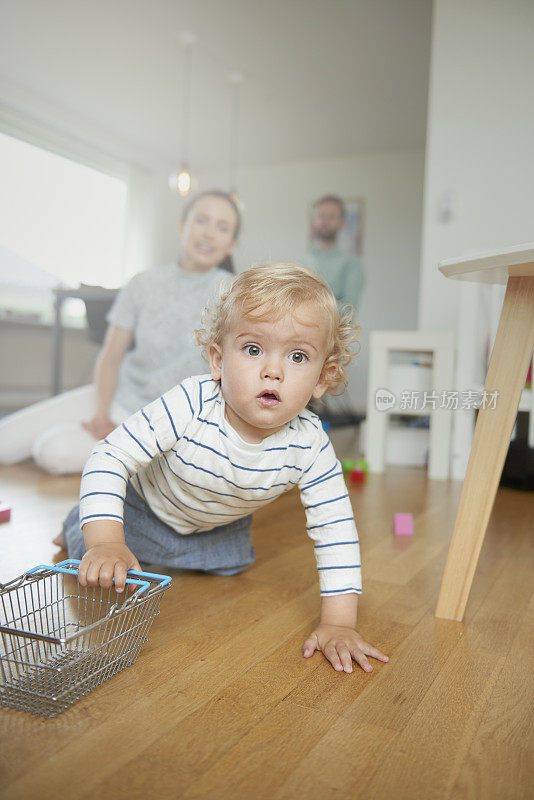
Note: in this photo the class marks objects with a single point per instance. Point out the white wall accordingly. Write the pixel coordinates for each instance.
(480, 140)
(277, 201)
(479, 155)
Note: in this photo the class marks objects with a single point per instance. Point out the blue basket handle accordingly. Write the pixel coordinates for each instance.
(74, 563)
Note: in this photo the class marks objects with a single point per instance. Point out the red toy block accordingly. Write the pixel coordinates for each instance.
(403, 524)
(357, 476)
(5, 513)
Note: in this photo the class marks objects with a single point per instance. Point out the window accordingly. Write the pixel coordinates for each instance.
(60, 222)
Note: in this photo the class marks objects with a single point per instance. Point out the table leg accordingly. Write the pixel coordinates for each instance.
(507, 372)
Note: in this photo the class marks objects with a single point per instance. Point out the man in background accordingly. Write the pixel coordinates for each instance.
(342, 271)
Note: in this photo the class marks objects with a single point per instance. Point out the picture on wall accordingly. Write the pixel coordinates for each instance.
(351, 237)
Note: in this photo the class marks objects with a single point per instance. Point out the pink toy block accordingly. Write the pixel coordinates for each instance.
(403, 524)
(5, 513)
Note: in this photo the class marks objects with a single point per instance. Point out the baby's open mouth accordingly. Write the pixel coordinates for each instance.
(269, 398)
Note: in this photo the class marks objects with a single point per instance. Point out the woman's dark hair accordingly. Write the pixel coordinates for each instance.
(227, 264)
(223, 196)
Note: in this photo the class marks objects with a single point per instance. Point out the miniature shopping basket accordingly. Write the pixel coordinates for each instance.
(59, 640)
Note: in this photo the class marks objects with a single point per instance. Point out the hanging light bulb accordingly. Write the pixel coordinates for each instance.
(184, 181)
(181, 181)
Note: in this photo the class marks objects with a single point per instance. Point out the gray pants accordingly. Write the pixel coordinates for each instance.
(225, 550)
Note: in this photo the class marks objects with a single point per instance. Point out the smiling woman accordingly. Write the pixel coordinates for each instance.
(149, 346)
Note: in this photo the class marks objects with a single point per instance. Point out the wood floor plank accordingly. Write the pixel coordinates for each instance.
(439, 732)
(340, 764)
(266, 756)
(508, 718)
(207, 734)
(495, 625)
(494, 771)
(402, 687)
(188, 646)
(173, 695)
(399, 558)
(221, 702)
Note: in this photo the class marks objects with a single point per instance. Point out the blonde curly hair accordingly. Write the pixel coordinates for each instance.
(279, 289)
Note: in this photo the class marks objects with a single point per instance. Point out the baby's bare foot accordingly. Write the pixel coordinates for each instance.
(59, 540)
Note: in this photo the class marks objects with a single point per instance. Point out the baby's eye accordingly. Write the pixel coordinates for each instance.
(253, 350)
(298, 357)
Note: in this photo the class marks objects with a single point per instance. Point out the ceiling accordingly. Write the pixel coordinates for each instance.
(323, 78)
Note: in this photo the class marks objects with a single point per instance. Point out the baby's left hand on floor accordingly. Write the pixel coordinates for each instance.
(340, 645)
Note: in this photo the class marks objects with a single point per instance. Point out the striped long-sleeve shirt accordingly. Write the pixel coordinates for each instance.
(195, 473)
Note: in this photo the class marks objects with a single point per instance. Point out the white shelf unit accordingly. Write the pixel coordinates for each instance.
(441, 344)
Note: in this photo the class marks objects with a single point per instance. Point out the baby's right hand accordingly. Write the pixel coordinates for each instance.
(103, 562)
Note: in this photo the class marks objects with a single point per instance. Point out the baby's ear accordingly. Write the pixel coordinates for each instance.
(215, 359)
(326, 377)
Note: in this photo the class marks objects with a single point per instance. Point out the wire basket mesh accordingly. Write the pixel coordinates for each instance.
(59, 640)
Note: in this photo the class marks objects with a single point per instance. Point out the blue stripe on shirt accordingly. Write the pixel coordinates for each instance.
(111, 494)
(215, 425)
(140, 485)
(305, 419)
(137, 440)
(213, 491)
(324, 502)
(332, 522)
(106, 516)
(162, 493)
(287, 446)
(227, 480)
(318, 454)
(107, 471)
(335, 544)
(321, 480)
(152, 429)
(119, 460)
(182, 387)
(319, 477)
(198, 511)
(166, 407)
(238, 466)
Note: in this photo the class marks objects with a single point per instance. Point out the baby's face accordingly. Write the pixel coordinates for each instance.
(269, 369)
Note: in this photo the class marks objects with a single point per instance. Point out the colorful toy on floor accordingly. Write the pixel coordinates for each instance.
(357, 476)
(5, 512)
(348, 464)
(356, 468)
(403, 524)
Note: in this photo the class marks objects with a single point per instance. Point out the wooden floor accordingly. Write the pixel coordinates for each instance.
(221, 703)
